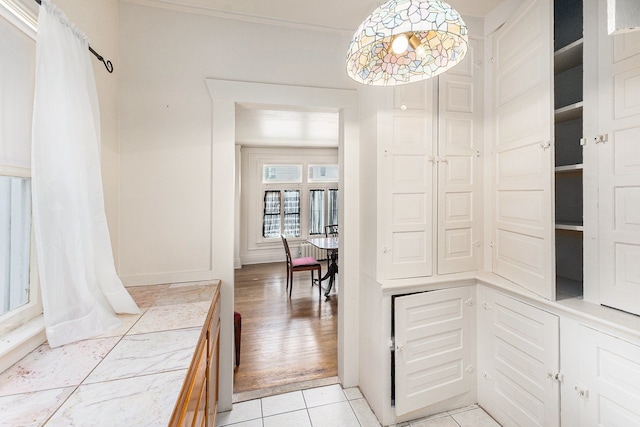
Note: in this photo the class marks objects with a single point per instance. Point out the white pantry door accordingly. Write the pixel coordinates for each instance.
(459, 159)
(518, 360)
(523, 240)
(619, 169)
(433, 354)
(405, 201)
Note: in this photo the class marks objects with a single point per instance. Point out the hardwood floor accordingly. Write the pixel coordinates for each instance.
(284, 341)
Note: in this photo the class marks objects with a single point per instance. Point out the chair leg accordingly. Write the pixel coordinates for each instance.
(291, 284)
(237, 332)
(287, 278)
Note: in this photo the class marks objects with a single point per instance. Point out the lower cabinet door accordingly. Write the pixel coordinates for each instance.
(610, 380)
(433, 347)
(518, 361)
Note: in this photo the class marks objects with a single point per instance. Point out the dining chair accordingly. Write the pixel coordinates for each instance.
(300, 264)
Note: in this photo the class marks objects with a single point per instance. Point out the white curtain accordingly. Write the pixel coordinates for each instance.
(80, 289)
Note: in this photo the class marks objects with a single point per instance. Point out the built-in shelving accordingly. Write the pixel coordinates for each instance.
(568, 130)
(569, 112)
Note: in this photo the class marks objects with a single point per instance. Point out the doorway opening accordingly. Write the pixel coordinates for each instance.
(286, 343)
(225, 96)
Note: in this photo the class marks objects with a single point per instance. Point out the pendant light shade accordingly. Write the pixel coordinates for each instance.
(404, 41)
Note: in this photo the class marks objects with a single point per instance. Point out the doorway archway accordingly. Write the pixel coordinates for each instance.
(224, 95)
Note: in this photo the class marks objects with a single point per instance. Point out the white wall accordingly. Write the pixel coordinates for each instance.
(165, 218)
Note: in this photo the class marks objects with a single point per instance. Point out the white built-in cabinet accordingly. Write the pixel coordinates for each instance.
(523, 234)
(538, 366)
(606, 387)
(518, 361)
(618, 158)
(566, 109)
(429, 163)
(434, 347)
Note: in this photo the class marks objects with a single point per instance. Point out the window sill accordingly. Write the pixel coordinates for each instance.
(21, 341)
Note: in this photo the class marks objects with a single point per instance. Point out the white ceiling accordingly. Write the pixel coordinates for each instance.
(330, 14)
(275, 126)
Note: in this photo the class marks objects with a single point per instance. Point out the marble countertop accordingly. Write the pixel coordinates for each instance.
(131, 376)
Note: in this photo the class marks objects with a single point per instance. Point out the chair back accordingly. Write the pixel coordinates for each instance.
(331, 230)
(286, 248)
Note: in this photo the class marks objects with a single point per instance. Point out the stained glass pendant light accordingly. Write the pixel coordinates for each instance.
(404, 41)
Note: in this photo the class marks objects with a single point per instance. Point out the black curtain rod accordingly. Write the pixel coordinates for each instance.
(108, 65)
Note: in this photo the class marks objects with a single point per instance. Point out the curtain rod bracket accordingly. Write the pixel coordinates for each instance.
(107, 64)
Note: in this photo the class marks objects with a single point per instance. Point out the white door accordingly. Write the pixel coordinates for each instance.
(433, 347)
(460, 133)
(619, 168)
(610, 376)
(523, 240)
(518, 359)
(405, 200)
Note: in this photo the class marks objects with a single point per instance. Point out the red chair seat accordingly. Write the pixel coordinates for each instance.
(304, 261)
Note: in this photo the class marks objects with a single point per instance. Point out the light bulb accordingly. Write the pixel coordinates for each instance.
(400, 44)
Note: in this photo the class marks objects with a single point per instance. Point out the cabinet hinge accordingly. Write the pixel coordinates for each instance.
(545, 144)
(470, 369)
(392, 345)
(486, 306)
(469, 302)
(486, 376)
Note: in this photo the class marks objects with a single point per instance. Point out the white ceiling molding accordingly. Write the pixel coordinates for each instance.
(181, 6)
(21, 13)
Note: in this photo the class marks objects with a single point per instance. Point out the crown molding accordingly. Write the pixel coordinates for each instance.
(184, 6)
(21, 14)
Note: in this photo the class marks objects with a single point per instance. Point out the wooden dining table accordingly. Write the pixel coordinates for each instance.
(329, 244)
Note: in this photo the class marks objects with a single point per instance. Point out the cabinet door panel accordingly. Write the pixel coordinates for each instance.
(406, 199)
(518, 350)
(432, 333)
(611, 372)
(523, 238)
(459, 173)
(619, 169)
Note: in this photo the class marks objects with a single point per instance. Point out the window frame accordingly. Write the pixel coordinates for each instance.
(33, 308)
(23, 15)
(304, 188)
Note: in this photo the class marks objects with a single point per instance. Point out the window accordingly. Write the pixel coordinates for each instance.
(318, 215)
(322, 173)
(19, 285)
(275, 208)
(271, 214)
(316, 212)
(332, 207)
(281, 173)
(15, 238)
(296, 194)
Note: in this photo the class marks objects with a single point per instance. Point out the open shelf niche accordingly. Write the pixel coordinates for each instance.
(568, 124)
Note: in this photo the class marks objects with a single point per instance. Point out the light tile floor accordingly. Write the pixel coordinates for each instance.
(331, 406)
